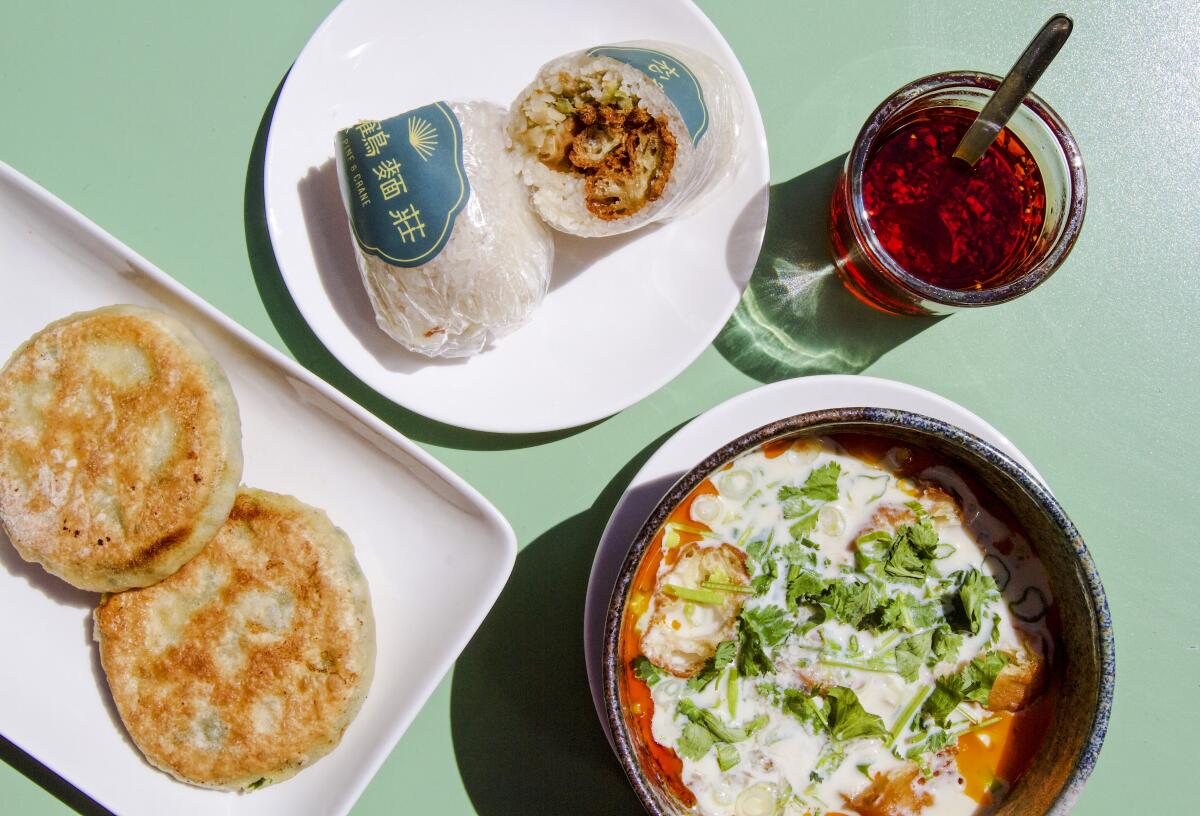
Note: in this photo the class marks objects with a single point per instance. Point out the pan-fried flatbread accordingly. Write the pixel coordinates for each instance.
(246, 665)
(120, 447)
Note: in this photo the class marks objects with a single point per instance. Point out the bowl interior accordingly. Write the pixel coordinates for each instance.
(1083, 662)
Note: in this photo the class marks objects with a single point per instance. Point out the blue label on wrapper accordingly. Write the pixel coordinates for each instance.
(404, 183)
(668, 73)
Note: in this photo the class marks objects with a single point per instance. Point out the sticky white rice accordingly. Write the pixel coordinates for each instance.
(558, 196)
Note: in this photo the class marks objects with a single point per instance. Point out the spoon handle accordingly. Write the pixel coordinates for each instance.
(1013, 89)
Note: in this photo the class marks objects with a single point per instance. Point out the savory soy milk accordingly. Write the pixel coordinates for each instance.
(838, 626)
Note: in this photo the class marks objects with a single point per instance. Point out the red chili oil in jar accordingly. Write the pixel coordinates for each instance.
(942, 221)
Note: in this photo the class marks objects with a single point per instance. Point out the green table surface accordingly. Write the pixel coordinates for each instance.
(151, 117)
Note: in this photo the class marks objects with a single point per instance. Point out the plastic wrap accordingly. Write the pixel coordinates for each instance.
(683, 89)
(450, 253)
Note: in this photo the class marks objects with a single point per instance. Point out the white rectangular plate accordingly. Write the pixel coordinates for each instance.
(435, 552)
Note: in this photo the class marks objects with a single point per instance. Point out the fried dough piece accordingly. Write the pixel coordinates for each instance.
(1020, 682)
(682, 636)
(894, 793)
(940, 505)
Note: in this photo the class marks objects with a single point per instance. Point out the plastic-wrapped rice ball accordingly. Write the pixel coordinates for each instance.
(450, 253)
(620, 136)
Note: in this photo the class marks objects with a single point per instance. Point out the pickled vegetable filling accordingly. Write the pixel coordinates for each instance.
(591, 127)
(838, 626)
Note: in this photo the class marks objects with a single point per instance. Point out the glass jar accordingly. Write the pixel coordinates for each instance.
(875, 277)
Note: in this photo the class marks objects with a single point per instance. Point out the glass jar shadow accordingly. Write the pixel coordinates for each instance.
(796, 317)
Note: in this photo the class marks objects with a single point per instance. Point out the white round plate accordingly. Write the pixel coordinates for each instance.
(624, 315)
(712, 429)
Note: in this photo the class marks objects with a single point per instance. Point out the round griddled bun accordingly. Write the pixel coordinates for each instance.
(247, 665)
(120, 448)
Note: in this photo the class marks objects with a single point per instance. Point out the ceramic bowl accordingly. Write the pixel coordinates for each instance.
(1085, 653)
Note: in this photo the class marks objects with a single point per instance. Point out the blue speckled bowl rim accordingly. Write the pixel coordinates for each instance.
(883, 420)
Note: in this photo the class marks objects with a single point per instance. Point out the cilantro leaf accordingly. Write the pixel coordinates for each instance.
(710, 721)
(933, 743)
(806, 709)
(904, 563)
(911, 655)
(804, 526)
(822, 482)
(981, 675)
(975, 591)
(947, 694)
(761, 629)
(695, 742)
(802, 586)
(945, 645)
(716, 728)
(752, 659)
(792, 501)
(914, 547)
(848, 719)
(716, 664)
(758, 549)
(646, 671)
(802, 551)
(771, 622)
(761, 583)
(851, 601)
(906, 613)
(973, 682)
(727, 756)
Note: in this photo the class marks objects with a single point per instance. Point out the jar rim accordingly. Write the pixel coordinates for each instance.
(865, 235)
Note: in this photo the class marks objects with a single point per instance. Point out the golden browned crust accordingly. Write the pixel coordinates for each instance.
(120, 447)
(940, 505)
(895, 793)
(624, 154)
(1019, 683)
(635, 173)
(247, 664)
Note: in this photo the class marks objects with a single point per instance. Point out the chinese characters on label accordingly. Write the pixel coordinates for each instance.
(374, 138)
(391, 181)
(389, 173)
(662, 70)
(404, 183)
(408, 223)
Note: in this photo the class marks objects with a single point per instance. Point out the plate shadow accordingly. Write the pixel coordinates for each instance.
(796, 317)
(623, 528)
(53, 587)
(328, 229)
(521, 714)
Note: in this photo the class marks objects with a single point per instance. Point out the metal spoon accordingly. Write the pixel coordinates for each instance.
(1015, 86)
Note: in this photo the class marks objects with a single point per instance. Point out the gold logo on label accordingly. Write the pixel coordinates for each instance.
(422, 136)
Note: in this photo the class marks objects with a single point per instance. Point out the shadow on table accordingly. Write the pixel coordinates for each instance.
(526, 736)
(312, 354)
(796, 317)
